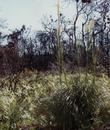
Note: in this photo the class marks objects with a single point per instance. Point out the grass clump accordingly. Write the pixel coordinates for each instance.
(76, 107)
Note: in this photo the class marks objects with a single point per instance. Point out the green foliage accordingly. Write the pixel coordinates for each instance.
(40, 99)
(76, 107)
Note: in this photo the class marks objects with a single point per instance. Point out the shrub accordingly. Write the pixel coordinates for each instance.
(76, 107)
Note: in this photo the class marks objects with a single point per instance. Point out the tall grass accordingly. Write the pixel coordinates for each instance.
(40, 99)
(76, 107)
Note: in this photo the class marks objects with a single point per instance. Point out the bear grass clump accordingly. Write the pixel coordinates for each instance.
(76, 107)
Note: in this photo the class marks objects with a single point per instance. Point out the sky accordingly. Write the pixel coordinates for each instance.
(30, 12)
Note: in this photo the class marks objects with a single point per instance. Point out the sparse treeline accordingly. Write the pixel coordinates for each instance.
(85, 47)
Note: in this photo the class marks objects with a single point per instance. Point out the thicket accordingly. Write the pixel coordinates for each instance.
(39, 51)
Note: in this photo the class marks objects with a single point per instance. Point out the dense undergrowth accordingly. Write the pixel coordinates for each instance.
(79, 102)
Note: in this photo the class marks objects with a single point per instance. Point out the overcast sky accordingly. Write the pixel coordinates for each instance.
(29, 12)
